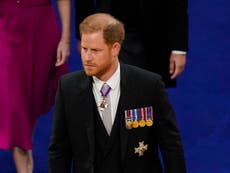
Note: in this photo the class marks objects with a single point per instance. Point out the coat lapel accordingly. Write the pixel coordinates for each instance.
(125, 91)
(91, 137)
(123, 132)
(87, 101)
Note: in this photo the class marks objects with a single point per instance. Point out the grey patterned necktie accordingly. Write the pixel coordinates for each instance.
(105, 107)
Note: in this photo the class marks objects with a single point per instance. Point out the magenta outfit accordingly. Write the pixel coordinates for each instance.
(29, 34)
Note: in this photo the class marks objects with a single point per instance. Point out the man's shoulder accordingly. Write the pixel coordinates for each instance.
(136, 75)
(73, 78)
(72, 75)
(138, 78)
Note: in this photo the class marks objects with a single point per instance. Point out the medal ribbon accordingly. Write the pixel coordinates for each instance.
(105, 89)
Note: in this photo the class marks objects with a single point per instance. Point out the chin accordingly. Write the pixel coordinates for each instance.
(89, 73)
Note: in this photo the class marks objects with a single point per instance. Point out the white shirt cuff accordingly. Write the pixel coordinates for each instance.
(179, 52)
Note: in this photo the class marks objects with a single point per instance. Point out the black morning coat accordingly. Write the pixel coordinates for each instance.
(73, 130)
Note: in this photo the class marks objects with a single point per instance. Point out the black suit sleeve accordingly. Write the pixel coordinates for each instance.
(59, 151)
(178, 24)
(168, 133)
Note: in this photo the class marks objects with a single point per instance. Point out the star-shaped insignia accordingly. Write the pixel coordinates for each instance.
(103, 105)
(141, 148)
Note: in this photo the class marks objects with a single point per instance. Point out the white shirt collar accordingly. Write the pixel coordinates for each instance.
(113, 81)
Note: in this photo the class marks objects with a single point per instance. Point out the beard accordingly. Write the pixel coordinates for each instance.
(97, 71)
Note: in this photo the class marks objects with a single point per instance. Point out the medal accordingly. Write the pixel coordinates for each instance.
(103, 104)
(128, 120)
(135, 117)
(142, 121)
(141, 148)
(128, 124)
(104, 92)
(149, 122)
(135, 124)
(149, 118)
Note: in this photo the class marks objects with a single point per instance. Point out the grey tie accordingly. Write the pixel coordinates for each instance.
(106, 107)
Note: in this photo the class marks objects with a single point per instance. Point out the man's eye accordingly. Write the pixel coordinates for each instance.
(84, 49)
(95, 50)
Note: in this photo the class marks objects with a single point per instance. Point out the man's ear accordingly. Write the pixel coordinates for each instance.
(116, 49)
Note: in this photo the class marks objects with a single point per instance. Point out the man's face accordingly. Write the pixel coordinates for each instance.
(98, 58)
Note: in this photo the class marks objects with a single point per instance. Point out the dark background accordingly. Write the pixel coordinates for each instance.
(201, 99)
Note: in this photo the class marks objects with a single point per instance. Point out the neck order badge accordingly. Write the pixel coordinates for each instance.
(105, 89)
(105, 106)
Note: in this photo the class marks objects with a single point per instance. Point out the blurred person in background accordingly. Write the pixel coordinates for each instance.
(33, 54)
(156, 35)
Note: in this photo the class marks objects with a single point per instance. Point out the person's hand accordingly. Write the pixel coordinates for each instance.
(176, 64)
(63, 52)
